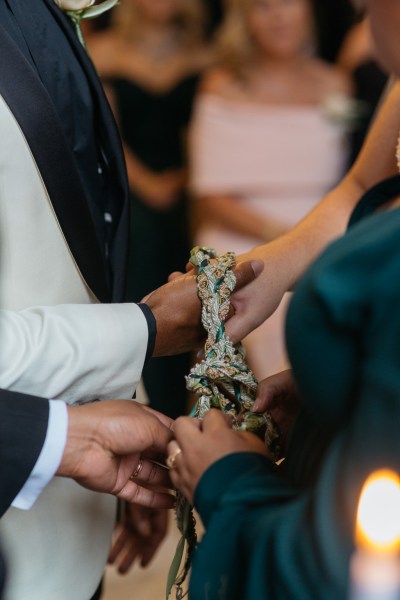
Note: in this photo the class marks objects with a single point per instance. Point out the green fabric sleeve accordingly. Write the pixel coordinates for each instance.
(268, 538)
(228, 471)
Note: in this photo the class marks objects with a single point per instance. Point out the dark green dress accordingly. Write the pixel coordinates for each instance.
(153, 125)
(290, 536)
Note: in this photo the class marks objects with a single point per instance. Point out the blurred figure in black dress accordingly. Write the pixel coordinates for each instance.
(150, 60)
(357, 57)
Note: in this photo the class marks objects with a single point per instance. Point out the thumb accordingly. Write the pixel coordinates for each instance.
(268, 393)
(273, 390)
(247, 271)
(239, 325)
(215, 419)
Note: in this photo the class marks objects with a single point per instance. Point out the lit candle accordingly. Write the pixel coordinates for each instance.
(375, 566)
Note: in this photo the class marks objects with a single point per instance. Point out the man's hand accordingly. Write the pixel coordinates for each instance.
(108, 441)
(198, 444)
(138, 536)
(177, 310)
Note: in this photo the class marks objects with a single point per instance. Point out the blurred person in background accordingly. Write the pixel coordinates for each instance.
(263, 146)
(291, 535)
(333, 20)
(150, 60)
(357, 57)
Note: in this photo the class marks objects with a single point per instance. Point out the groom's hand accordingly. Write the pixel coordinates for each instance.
(116, 446)
(177, 310)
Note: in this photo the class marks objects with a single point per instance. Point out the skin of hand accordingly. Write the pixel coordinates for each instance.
(177, 310)
(105, 442)
(202, 444)
(278, 395)
(138, 536)
(250, 305)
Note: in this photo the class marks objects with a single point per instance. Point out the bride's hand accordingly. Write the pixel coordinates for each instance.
(177, 310)
(202, 443)
(279, 396)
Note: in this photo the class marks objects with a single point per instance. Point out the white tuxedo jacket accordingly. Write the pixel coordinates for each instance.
(78, 351)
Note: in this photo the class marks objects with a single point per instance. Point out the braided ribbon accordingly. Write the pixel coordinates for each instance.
(222, 380)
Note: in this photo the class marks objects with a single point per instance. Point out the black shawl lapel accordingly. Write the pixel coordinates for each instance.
(111, 143)
(35, 113)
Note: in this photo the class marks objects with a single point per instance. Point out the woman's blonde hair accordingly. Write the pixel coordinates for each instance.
(235, 47)
(233, 42)
(190, 20)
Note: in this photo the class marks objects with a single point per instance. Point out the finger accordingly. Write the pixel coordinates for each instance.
(214, 420)
(240, 324)
(247, 271)
(164, 419)
(157, 437)
(175, 275)
(121, 539)
(160, 527)
(268, 393)
(193, 421)
(143, 525)
(150, 549)
(129, 558)
(153, 474)
(174, 453)
(272, 390)
(137, 494)
(189, 267)
(185, 430)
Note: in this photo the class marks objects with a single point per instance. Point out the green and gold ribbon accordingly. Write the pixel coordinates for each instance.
(221, 380)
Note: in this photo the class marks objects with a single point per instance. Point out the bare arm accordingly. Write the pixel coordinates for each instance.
(230, 213)
(286, 258)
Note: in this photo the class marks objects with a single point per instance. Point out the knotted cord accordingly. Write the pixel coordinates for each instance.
(221, 380)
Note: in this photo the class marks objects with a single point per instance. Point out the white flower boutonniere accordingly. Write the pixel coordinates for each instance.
(77, 10)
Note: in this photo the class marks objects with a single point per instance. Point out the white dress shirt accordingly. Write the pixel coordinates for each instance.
(49, 458)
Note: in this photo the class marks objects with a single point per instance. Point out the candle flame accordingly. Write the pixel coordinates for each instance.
(378, 516)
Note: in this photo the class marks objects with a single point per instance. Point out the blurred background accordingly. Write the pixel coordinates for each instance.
(236, 117)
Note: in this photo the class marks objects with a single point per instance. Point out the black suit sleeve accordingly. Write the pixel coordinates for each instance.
(23, 427)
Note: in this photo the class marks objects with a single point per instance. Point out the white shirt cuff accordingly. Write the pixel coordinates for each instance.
(49, 458)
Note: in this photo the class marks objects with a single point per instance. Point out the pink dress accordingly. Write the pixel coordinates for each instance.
(277, 160)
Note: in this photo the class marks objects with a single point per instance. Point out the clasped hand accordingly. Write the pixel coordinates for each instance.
(202, 443)
(107, 441)
(177, 309)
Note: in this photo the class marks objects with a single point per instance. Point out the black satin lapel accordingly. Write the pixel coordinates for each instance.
(110, 132)
(35, 113)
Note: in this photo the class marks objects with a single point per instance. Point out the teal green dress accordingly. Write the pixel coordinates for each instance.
(290, 535)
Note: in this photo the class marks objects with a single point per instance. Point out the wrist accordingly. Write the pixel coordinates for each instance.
(270, 231)
(82, 436)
